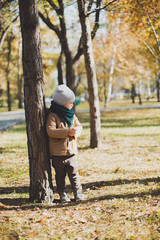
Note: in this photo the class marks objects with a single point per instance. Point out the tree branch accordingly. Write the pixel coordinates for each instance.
(90, 5)
(101, 8)
(153, 29)
(53, 5)
(4, 3)
(79, 51)
(96, 24)
(47, 21)
(5, 31)
(64, 39)
(93, 33)
(151, 50)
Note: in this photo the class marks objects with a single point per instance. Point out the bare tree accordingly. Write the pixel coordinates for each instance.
(41, 188)
(71, 60)
(95, 140)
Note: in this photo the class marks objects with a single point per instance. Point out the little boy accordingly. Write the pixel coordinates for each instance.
(63, 128)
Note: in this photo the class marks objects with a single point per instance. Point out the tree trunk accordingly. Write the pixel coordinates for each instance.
(140, 92)
(111, 77)
(41, 188)
(105, 91)
(20, 99)
(7, 74)
(148, 90)
(95, 140)
(112, 63)
(133, 93)
(158, 86)
(60, 68)
(140, 99)
(70, 73)
(19, 77)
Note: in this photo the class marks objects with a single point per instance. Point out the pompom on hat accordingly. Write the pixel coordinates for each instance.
(63, 95)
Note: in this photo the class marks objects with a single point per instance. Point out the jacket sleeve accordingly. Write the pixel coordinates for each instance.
(78, 126)
(52, 130)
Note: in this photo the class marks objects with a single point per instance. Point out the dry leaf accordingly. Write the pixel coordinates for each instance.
(82, 220)
(117, 169)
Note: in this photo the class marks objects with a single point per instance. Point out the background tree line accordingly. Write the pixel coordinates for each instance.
(125, 43)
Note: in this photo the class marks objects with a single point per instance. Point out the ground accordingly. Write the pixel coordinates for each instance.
(120, 183)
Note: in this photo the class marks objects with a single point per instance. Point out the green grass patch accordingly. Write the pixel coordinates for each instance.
(121, 183)
(121, 104)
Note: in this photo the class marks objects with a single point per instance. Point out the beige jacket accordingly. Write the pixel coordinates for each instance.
(60, 144)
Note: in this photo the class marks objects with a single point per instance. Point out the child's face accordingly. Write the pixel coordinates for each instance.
(69, 105)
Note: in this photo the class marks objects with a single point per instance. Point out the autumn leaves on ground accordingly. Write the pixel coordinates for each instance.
(120, 183)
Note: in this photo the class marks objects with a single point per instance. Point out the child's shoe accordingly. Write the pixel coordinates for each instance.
(64, 198)
(78, 196)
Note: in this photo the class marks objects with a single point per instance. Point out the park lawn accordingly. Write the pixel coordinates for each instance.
(122, 103)
(120, 182)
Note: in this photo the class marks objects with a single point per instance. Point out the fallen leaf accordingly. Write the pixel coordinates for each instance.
(94, 219)
(82, 220)
(117, 169)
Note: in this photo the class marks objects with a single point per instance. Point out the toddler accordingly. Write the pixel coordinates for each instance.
(63, 128)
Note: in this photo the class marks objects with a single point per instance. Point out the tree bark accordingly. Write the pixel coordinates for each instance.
(115, 37)
(19, 77)
(70, 73)
(105, 91)
(60, 68)
(158, 87)
(95, 140)
(133, 93)
(111, 76)
(148, 90)
(7, 74)
(41, 188)
(140, 92)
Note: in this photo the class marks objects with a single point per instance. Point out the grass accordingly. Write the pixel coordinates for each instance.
(121, 104)
(4, 107)
(120, 182)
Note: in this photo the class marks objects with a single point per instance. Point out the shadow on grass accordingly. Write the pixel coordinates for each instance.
(9, 190)
(13, 149)
(23, 203)
(2, 149)
(100, 184)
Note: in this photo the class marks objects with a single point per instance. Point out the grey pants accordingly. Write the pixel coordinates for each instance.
(64, 165)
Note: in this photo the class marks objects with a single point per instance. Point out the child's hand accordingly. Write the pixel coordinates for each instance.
(72, 131)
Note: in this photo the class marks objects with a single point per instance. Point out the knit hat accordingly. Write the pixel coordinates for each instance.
(63, 95)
